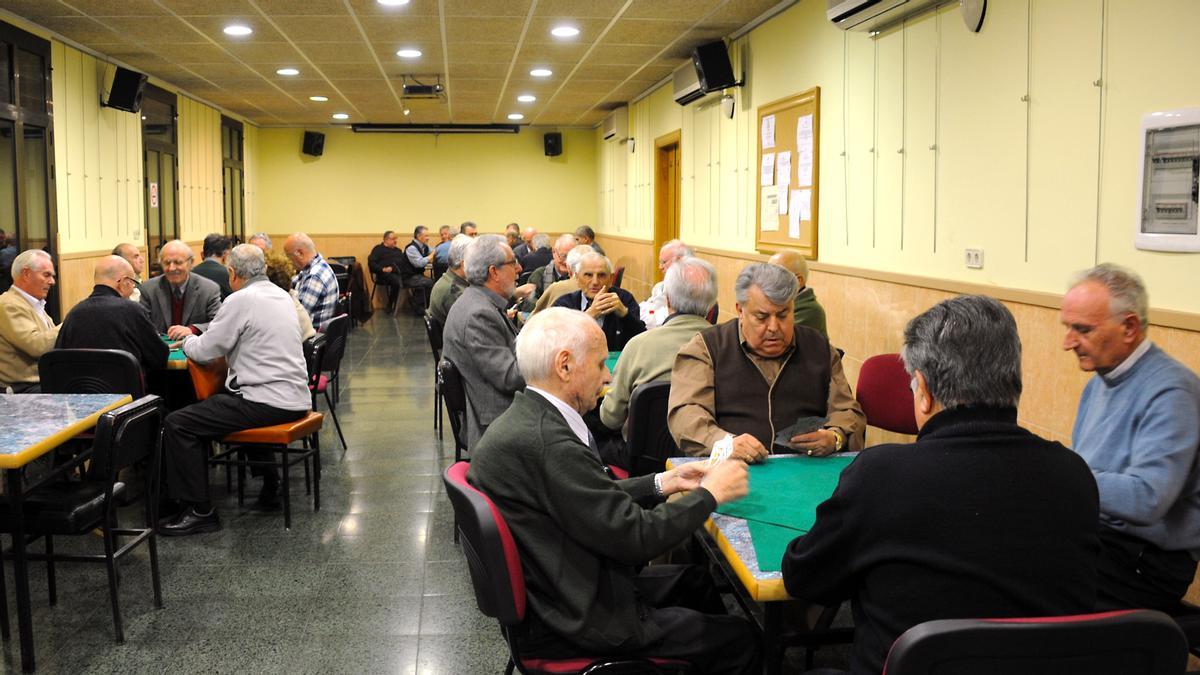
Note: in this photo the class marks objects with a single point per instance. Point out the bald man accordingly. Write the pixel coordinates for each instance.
(315, 283)
(133, 254)
(807, 311)
(107, 320)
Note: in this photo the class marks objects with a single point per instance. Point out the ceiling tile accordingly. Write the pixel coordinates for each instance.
(479, 71)
(102, 8)
(262, 52)
(595, 71)
(350, 71)
(223, 71)
(466, 29)
(397, 29)
(80, 29)
(645, 32)
(480, 52)
(603, 9)
(36, 9)
(741, 12)
(307, 7)
(669, 9)
(553, 53)
(213, 27)
(193, 52)
(374, 10)
(316, 28)
(463, 85)
(624, 54)
(589, 29)
(152, 31)
(208, 7)
(481, 8)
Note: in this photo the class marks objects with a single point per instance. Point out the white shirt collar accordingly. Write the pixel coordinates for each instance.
(1129, 361)
(574, 419)
(39, 306)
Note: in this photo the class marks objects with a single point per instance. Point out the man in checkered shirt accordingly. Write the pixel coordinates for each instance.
(315, 283)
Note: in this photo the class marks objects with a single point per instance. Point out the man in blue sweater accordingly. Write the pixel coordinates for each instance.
(1138, 428)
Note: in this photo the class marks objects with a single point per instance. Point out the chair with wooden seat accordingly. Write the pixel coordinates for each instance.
(208, 379)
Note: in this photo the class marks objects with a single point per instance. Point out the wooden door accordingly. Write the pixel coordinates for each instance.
(667, 181)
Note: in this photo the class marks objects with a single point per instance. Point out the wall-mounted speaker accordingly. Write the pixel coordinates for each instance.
(314, 143)
(553, 144)
(712, 66)
(125, 92)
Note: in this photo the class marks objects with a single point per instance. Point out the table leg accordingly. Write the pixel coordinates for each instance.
(772, 638)
(20, 568)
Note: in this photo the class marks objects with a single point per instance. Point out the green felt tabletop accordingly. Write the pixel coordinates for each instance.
(783, 499)
(176, 354)
(611, 361)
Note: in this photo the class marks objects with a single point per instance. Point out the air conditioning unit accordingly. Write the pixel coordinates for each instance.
(874, 15)
(687, 84)
(616, 125)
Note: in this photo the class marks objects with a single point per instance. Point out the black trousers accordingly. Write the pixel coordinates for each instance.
(420, 285)
(186, 433)
(26, 387)
(393, 281)
(1134, 573)
(692, 616)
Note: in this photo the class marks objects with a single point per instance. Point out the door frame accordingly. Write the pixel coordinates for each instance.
(666, 229)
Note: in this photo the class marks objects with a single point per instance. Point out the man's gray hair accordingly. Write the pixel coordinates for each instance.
(589, 256)
(248, 261)
(564, 242)
(458, 248)
(27, 259)
(485, 252)
(540, 240)
(1124, 286)
(177, 243)
(462, 229)
(260, 235)
(576, 254)
(677, 249)
(547, 333)
(968, 350)
(777, 283)
(691, 286)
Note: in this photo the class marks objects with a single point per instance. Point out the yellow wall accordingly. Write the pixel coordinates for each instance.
(1045, 187)
(366, 183)
(200, 186)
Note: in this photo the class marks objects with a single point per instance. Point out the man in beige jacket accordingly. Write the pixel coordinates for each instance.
(26, 331)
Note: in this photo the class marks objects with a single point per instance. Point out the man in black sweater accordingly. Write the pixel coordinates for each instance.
(107, 320)
(582, 536)
(977, 519)
(386, 262)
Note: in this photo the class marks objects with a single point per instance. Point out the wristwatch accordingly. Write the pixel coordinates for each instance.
(839, 439)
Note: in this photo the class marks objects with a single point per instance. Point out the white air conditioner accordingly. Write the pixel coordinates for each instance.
(687, 84)
(874, 15)
(616, 125)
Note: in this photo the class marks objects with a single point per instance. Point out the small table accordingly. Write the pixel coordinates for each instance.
(176, 360)
(35, 425)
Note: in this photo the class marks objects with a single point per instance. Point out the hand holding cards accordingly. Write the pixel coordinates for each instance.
(721, 451)
(804, 425)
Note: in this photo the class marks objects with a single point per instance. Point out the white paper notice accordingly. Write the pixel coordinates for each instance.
(782, 196)
(769, 216)
(804, 150)
(768, 132)
(794, 215)
(768, 168)
(783, 169)
(805, 204)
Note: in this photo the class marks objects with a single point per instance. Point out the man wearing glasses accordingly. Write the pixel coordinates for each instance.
(107, 320)
(180, 303)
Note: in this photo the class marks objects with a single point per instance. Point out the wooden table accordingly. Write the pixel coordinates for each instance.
(35, 424)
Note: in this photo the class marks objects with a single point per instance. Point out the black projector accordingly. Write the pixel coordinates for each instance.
(419, 90)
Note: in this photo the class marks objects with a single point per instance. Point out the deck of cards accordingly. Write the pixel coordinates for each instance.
(722, 450)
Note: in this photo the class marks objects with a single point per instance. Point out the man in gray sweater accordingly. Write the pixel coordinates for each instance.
(257, 332)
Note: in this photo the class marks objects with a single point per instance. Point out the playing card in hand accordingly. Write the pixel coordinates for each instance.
(722, 450)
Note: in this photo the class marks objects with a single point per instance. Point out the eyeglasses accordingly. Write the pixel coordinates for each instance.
(508, 262)
(129, 279)
(912, 384)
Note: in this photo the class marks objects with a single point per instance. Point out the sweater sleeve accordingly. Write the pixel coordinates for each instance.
(154, 352)
(221, 335)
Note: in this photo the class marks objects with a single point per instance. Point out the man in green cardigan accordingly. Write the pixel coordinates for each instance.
(582, 536)
(808, 311)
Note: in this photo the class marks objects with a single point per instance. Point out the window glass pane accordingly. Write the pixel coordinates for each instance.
(158, 121)
(228, 194)
(37, 215)
(167, 192)
(225, 142)
(237, 144)
(31, 69)
(10, 244)
(5, 74)
(238, 228)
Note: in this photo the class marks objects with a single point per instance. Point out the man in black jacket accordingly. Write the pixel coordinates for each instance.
(582, 536)
(385, 262)
(977, 519)
(216, 253)
(615, 309)
(107, 320)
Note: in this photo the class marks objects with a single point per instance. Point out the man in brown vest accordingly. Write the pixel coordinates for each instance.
(758, 375)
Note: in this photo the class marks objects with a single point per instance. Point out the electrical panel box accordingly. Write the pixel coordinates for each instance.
(1170, 185)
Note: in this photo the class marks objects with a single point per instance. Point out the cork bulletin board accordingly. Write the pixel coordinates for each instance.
(789, 132)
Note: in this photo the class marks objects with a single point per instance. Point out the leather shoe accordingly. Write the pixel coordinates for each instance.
(190, 522)
(268, 497)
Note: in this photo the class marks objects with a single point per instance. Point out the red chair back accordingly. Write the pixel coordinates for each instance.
(1128, 642)
(884, 394)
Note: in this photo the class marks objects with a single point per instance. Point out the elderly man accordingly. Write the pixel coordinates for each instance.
(1138, 428)
(512, 233)
(451, 284)
(555, 269)
(539, 255)
(526, 246)
(930, 530)
(479, 334)
(385, 262)
(216, 253)
(26, 330)
(315, 283)
(8, 253)
(180, 303)
(583, 535)
(412, 268)
(468, 228)
(615, 309)
(586, 235)
(807, 311)
(759, 375)
(654, 308)
(106, 320)
(567, 284)
(137, 261)
(261, 240)
(441, 252)
(691, 290)
(258, 334)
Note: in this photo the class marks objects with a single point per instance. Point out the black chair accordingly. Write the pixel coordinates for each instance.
(403, 289)
(617, 277)
(499, 582)
(433, 330)
(524, 277)
(335, 346)
(713, 313)
(650, 443)
(346, 261)
(56, 506)
(1125, 642)
(91, 371)
(454, 395)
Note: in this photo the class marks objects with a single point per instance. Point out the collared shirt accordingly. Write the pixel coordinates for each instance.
(317, 289)
(583, 305)
(1125, 365)
(574, 419)
(418, 254)
(39, 307)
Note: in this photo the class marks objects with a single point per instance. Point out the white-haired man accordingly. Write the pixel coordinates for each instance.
(180, 303)
(26, 330)
(654, 308)
(583, 535)
(315, 283)
(615, 309)
(258, 333)
(451, 284)
(552, 272)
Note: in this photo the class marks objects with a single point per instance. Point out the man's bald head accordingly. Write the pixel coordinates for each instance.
(300, 249)
(112, 271)
(794, 262)
(134, 255)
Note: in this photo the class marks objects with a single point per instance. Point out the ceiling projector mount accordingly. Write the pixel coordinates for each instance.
(422, 87)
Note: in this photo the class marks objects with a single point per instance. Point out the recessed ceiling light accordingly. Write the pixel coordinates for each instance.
(318, 99)
(564, 31)
(341, 116)
(516, 116)
(287, 71)
(393, 3)
(406, 112)
(541, 72)
(409, 53)
(526, 98)
(238, 30)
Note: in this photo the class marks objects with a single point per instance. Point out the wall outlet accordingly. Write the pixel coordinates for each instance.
(975, 258)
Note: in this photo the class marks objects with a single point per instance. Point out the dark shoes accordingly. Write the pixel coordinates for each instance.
(190, 522)
(268, 497)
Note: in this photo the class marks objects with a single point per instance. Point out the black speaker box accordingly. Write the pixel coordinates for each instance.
(126, 90)
(314, 143)
(553, 143)
(712, 66)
